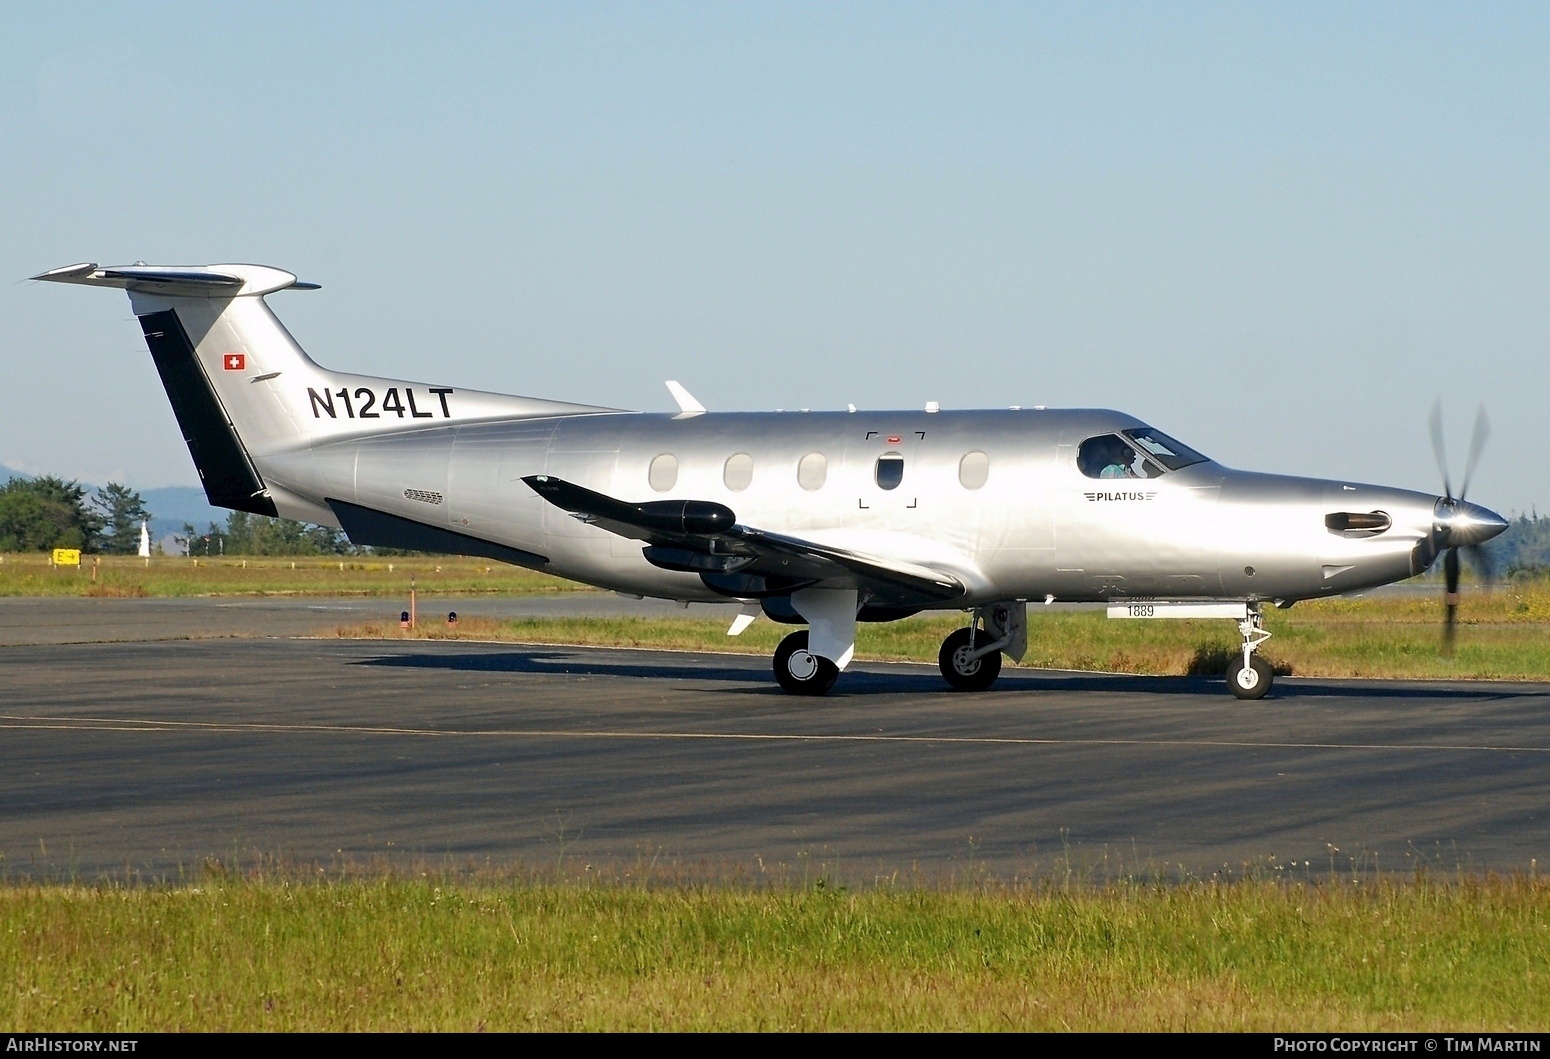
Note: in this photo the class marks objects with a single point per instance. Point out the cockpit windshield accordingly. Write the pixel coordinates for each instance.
(1171, 454)
(1110, 456)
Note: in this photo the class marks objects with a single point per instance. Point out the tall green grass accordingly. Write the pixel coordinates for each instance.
(394, 954)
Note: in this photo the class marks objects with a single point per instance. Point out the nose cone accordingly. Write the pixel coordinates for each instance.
(1464, 523)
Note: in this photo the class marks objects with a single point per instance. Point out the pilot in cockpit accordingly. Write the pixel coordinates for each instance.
(1117, 459)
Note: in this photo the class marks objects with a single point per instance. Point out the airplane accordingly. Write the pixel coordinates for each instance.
(817, 519)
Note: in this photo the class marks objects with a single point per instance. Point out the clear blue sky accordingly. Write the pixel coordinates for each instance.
(1279, 232)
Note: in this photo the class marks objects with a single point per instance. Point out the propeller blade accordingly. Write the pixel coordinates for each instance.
(1476, 444)
(1450, 570)
(1438, 449)
(1481, 559)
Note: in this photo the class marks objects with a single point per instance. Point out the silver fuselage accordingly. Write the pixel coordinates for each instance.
(1036, 528)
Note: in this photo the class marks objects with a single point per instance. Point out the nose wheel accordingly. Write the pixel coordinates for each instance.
(1248, 675)
(1250, 681)
(799, 671)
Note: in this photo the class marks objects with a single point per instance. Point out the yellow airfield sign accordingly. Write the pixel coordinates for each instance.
(67, 557)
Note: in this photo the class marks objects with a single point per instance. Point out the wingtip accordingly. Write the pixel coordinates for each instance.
(66, 272)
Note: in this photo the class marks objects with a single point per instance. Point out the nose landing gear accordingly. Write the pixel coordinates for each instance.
(1250, 676)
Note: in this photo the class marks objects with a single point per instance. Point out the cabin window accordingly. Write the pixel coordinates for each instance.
(1110, 456)
(973, 470)
(812, 470)
(663, 474)
(738, 472)
(889, 471)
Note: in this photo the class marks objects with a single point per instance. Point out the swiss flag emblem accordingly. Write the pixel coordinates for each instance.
(236, 361)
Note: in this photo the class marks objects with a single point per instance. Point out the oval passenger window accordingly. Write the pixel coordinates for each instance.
(973, 470)
(812, 471)
(890, 470)
(663, 474)
(738, 472)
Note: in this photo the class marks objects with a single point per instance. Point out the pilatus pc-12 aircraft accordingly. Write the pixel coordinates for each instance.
(820, 519)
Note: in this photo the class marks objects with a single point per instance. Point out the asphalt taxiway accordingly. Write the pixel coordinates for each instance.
(153, 756)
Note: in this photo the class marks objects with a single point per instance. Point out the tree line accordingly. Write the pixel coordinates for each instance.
(1523, 548)
(40, 514)
(245, 534)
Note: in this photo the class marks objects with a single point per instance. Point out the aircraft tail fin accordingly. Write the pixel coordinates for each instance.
(225, 466)
(243, 389)
(204, 325)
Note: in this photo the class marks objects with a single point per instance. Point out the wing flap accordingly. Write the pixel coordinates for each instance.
(909, 577)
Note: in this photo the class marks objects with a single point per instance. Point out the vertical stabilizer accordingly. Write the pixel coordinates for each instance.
(244, 391)
(225, 467)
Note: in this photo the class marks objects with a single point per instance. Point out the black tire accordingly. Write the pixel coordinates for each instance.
(1250, 683)
(801, 672)
(964, 675)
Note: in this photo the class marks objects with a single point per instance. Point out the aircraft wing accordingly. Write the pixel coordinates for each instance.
(703, 537)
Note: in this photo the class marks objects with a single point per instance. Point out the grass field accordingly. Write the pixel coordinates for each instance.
(127, 576)
(396, 954)
(1504, 634)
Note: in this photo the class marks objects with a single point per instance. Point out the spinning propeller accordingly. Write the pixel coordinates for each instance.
(1460, 524)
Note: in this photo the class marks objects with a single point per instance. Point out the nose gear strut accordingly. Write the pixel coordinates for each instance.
(1250, 676)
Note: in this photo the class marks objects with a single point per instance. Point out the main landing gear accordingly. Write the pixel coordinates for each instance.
(1250, 676)
(808, 662)
(799, 671)
(970, 659)
(967, 665)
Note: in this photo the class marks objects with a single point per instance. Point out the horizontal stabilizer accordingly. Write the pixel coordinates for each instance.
(187, 281)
